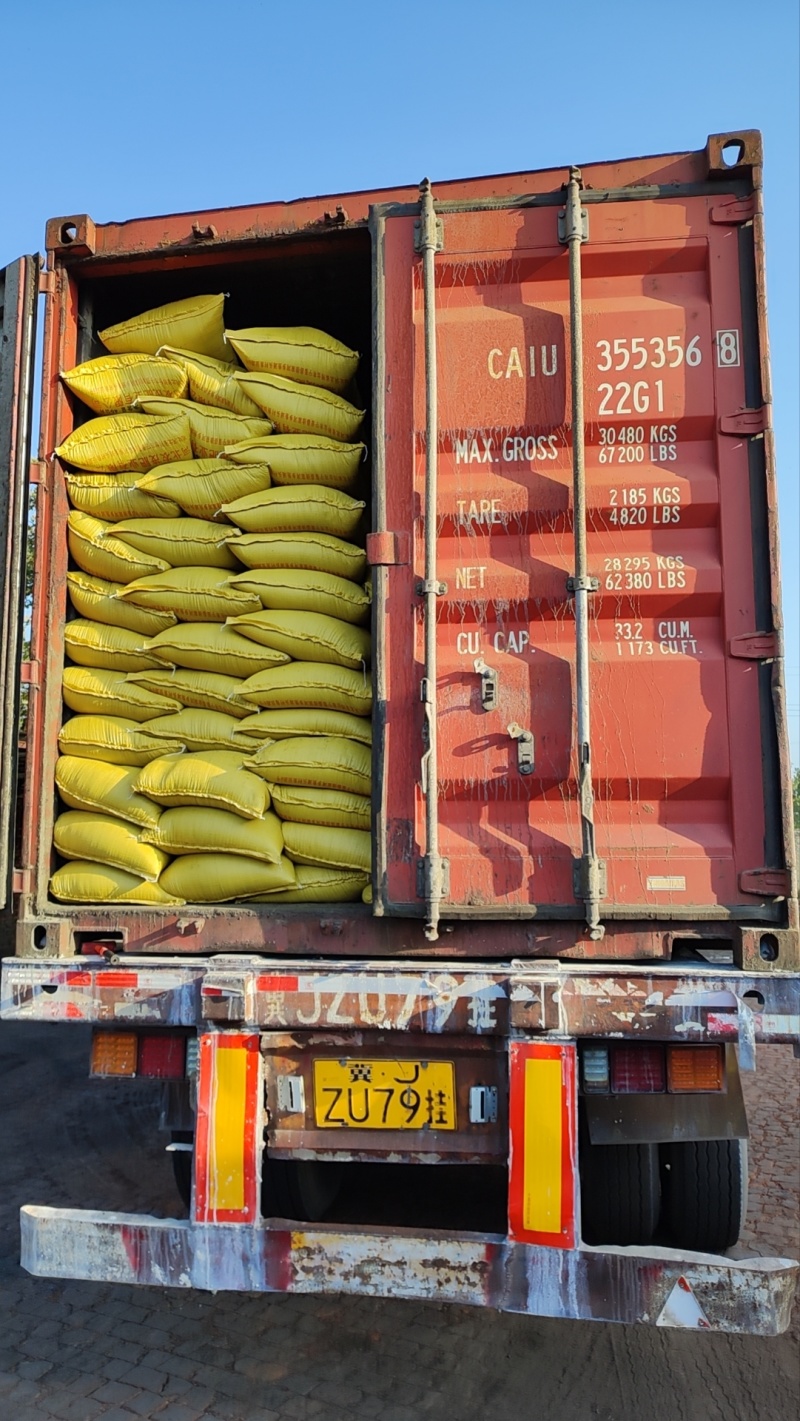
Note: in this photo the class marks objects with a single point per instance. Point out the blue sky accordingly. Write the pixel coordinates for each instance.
(121, 111)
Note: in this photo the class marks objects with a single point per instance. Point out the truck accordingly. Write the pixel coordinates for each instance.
(512, 1079)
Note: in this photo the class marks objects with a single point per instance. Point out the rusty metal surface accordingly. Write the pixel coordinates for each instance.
(167, 995)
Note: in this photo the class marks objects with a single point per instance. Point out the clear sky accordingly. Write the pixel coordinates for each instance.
(127, 110)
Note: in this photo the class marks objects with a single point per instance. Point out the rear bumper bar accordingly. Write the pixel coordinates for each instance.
(629, 1285)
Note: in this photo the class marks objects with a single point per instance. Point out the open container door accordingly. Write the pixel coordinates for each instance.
(687, 803)
(18, 304)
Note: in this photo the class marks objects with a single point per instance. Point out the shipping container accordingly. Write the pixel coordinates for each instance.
(584, 906)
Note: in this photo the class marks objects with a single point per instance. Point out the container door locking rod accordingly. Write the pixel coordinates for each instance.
(429, 241)
(589, 872)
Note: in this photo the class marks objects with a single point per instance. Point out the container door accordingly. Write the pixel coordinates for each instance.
(18, 301)
(684, 814)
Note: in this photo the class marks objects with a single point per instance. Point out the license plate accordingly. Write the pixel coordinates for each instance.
(385, 1095)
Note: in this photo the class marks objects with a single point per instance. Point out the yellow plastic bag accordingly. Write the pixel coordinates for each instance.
(309, 683)
(97, 550)
(207, 646)
(219, 878)
(111, 648)
(110, 738)
(321, 885)
(302, 458)
(211, 382)
(303, 590)
(112, 383)
(307, 636)
(210, 428)
(315, 761)
(194, 594)
(105, 789)
(299, 353)
(216, 831)
(115, 442)
(91, 692)
(80, 882)
(101, 839)
(285, 724)
(179, 542)
(199, 730)
(327, 847)
(301, 805)
(113, 497)
(300, 409)
(206, 690)
(213, 779)
(97, 599)
(310, 508)
(195, 323)
(317, 552)
(201, 486)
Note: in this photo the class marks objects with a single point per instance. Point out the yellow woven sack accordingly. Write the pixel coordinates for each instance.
(207, 646)
(179, 542)
(80, 882)
(206, 690)
(301, 805)
(195, 323)
(111, 738)
(311, 551)
(307, 636)
(113, 497)
(113, 382)
(194, 594)
(101, 839)
(99, 552)
(312, 508)
(298, 353)
(91, 692)
(219, 878)
(300, 409)
(310, 683)
(319, 762)
(211, 382)
(201, 486)
(114, 442)
(210, 429)
(285, 724)
(366, 896)
(112, 648)
(212, 779)
(327, 847)
(97, 599)
(199, 730)
(320, 885)
(303, 590)
(302, 458)
(215, 831)
(105, 789)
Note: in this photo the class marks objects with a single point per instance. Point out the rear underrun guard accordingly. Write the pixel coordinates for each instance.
(654, 1285)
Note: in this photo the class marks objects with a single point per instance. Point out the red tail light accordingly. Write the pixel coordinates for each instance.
(638, 1070)
(162, 1056)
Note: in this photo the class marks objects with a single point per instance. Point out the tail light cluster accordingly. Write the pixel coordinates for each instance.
(160, 1056)
(652, 1069)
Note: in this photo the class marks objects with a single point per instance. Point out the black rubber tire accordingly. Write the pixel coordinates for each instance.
(182, 1166)
(620, 1193)
(298, 1189)
(705, 1193)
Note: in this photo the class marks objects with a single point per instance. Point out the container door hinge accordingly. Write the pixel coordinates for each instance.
(755, 646)
(29, 673)
(734, 213)
(433, 878)
(766, 882)
(423, 235)
(388, 549)
(488, 684)
(47, 283)
(589, 878)
(21, 880)
(563, 234)
(37, 470)
(524, 739)
(745, 423)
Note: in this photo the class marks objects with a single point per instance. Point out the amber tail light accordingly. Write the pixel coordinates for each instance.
(695, 1068)
(124, 1053)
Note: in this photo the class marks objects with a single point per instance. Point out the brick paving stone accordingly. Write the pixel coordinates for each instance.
(115, 1391)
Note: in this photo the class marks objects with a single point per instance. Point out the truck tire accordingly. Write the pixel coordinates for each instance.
(620, 1193)
(298, 1189)
(705, 1193)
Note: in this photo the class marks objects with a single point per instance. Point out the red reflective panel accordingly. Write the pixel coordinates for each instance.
(162, 1056)
(637, 1070)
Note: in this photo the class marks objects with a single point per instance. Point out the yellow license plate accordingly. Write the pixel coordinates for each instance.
(385, 1095)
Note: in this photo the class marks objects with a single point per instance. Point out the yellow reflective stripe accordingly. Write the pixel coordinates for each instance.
(226, 1130)
(541, 1210)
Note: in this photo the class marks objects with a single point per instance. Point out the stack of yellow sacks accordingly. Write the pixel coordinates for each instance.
(220, 743)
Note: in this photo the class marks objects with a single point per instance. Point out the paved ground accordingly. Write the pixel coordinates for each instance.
(85, 1351)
